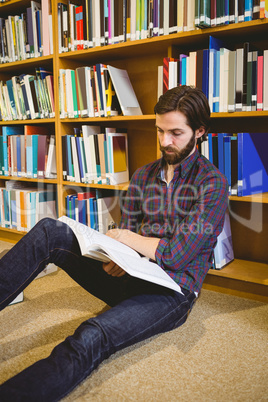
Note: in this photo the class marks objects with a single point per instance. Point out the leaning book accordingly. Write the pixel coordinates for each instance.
(98, 246)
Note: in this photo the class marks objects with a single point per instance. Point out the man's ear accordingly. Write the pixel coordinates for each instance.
(199, 132)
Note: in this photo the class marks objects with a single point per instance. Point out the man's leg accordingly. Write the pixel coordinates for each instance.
(53, 241)
(131, 321)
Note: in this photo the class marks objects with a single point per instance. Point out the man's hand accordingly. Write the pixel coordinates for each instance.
(113, 269)
(143, 245)
(118, 234)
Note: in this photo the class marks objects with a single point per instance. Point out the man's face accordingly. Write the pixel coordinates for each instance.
(176, 139)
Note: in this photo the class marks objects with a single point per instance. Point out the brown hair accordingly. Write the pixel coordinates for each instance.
(190, 101)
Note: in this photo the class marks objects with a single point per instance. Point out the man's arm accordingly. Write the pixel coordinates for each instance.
(144, 245)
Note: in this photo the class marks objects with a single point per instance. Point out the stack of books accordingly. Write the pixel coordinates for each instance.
(96, 91)
(27, 151)
(98, 212)
(232, 80)
(27, 96)
(93, 156)
(241, 158)
(23, 205)
(28, 34)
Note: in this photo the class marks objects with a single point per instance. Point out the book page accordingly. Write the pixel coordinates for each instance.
(89, 239)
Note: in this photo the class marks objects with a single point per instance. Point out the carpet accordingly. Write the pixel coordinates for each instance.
(219, 354)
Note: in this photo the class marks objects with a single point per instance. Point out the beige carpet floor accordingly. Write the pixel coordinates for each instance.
(220, 354)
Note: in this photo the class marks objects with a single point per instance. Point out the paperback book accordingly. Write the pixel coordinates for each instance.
(98, 246)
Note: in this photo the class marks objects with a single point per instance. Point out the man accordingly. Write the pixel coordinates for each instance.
(173, 212)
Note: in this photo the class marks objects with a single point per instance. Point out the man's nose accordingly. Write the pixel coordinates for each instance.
(166, 140)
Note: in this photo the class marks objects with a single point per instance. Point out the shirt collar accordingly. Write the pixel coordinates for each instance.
(183, 169)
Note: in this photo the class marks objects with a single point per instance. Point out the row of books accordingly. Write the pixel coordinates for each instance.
(222, 12)
(97, 91)
(232, 80)
(94, 210)
(105, 22)
(22, 207)
(27, 151)
(242, 158)
(28, 34)
(27, 96)
(93, 156)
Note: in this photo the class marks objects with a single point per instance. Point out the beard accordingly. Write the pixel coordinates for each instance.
(177, 156)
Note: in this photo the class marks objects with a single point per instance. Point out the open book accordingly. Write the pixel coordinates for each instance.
(100, 247)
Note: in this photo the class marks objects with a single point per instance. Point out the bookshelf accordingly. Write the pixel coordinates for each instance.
(247, 275)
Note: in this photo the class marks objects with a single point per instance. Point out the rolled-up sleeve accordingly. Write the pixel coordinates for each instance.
(198, 230)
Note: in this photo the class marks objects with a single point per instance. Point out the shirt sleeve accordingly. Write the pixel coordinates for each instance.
(199, 229)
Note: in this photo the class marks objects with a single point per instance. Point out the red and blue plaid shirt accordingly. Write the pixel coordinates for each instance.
(187, 215)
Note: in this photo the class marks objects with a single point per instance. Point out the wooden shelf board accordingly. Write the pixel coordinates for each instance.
(10, 235)
(260, 113)
(35, 121)
(32, 62)
(150, 117)
(246, 271)
(262, 198)
(144, 117)
(38, 180)
(121, 187)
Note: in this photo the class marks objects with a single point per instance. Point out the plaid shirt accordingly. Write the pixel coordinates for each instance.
(187, 215)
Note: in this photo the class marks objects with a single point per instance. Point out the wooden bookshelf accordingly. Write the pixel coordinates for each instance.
(247, 275)
(241, 278)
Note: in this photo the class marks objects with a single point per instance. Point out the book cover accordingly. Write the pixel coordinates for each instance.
(35, 7)
(50, 165)
(125, 92)
(231, 81)
(109, 213)
(118, 157)
(239, 80)
(260, 82)
(265, 80)
(46, 11)
(205, 13)
(252, 163)
(42, 152)
(101, 247)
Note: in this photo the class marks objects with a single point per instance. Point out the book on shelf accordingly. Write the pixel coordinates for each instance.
(125, 93)
(98, 246)
(265, 80)
(252, 163)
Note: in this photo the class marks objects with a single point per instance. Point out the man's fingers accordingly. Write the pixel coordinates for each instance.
(113, 269)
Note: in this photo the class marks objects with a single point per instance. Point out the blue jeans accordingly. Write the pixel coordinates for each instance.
(139, 310)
